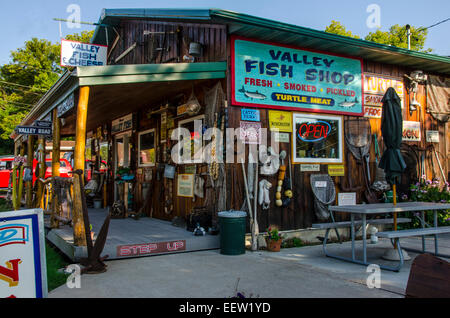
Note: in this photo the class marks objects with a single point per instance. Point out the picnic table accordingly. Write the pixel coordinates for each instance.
(365, 210)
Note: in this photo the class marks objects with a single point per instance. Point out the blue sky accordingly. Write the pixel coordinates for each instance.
(23, 19)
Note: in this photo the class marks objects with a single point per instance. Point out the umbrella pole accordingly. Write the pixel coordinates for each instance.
(394, 190)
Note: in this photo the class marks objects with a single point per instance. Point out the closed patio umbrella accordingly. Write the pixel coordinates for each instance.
(392, 160)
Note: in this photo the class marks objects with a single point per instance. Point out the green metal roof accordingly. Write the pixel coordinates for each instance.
(284, 33)
(120, 74)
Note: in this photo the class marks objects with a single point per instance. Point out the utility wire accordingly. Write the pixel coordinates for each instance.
(24, 86)
(440, 22)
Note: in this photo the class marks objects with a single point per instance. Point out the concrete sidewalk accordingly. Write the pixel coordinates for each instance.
(292, 273)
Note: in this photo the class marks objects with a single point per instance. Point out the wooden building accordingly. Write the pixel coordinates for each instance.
(243, 71)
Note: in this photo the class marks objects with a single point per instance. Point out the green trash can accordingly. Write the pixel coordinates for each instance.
(232, 232)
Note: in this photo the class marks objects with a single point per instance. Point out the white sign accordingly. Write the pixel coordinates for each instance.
(82, 54)
(411, 131)
(432, 136)
(23, 269)
(309, 168)
(281, 137)
(320, 184)
(346, 198)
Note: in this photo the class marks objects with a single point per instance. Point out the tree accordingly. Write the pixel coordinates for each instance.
(338, 28)
(33, 69)
(397, 36)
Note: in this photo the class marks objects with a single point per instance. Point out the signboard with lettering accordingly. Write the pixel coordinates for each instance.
(432, 136)
(250, 114)
(336, 170)
(375, 86)
(250, 132)
(150, 248)
(275, 76)
(280, 120)
(23, 270)
(31, 130)
(82, 54)
(122, 124)
(66, 106)
(411, 131)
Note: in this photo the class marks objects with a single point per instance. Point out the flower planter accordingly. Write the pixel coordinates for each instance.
(274, 246)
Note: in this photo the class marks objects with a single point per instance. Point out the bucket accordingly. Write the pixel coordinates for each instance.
(232, 232)
(97, 204)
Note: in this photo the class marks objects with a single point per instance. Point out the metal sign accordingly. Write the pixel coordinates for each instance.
(250, 114)
(67, 105)
(271, 75)
(43, 123)
(31, 130)
(82, 54)
(23, 270)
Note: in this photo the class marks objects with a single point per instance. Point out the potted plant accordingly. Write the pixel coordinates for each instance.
(273, 240)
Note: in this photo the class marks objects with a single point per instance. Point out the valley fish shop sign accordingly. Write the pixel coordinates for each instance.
(283, 77)
(82, 54)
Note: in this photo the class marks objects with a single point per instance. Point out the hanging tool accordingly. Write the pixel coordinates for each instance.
(281, 174)
(439, 163)
(288, 184)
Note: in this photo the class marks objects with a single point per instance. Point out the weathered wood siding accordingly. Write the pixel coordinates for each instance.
(174, 38)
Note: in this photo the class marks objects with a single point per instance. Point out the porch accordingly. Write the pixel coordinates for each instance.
(132, 238)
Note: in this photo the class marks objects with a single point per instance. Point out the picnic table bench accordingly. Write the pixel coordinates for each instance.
(384, 208)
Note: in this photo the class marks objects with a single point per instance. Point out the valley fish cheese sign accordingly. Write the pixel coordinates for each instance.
(82, 54)
(23, 270)
(287, 78)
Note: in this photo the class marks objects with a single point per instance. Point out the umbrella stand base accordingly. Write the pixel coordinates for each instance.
(391, 254)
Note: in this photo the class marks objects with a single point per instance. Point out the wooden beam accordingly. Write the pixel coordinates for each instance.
(42, 167)
(79, 234)
(29, 185)
(56, 143)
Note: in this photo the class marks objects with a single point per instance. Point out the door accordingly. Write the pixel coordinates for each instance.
(122, 151)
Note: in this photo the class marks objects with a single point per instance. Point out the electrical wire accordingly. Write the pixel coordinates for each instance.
(440, 22)
(24, 86)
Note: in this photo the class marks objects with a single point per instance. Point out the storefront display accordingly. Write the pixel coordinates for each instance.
(147, 148)
(317, 138)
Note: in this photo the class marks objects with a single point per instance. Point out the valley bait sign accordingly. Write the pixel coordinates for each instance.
(30, 130)
(282, 77)
(82, 54)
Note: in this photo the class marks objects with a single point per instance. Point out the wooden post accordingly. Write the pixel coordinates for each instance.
(79, 235)
(29, 185)
(42, 168)
(56, 143)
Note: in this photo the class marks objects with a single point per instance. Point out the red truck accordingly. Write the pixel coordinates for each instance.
(6, 163)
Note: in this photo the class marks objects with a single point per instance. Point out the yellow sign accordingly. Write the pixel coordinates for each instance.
(280, 120)
(336, 170)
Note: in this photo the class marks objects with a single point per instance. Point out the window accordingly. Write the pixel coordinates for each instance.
(195, 126)
(317, 138)
(147, 149)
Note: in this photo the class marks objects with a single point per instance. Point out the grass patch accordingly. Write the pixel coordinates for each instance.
(55, 261)
(4, 205)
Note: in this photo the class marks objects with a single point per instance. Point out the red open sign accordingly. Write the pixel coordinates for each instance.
(312, 132)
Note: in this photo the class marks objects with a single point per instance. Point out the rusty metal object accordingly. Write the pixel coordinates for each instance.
(94, 262)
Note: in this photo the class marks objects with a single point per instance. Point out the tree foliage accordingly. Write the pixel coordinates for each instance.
(33, 69)
(395, 36)
(336, 27)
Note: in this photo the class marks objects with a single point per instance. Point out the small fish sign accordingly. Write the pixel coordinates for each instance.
(250, 114)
